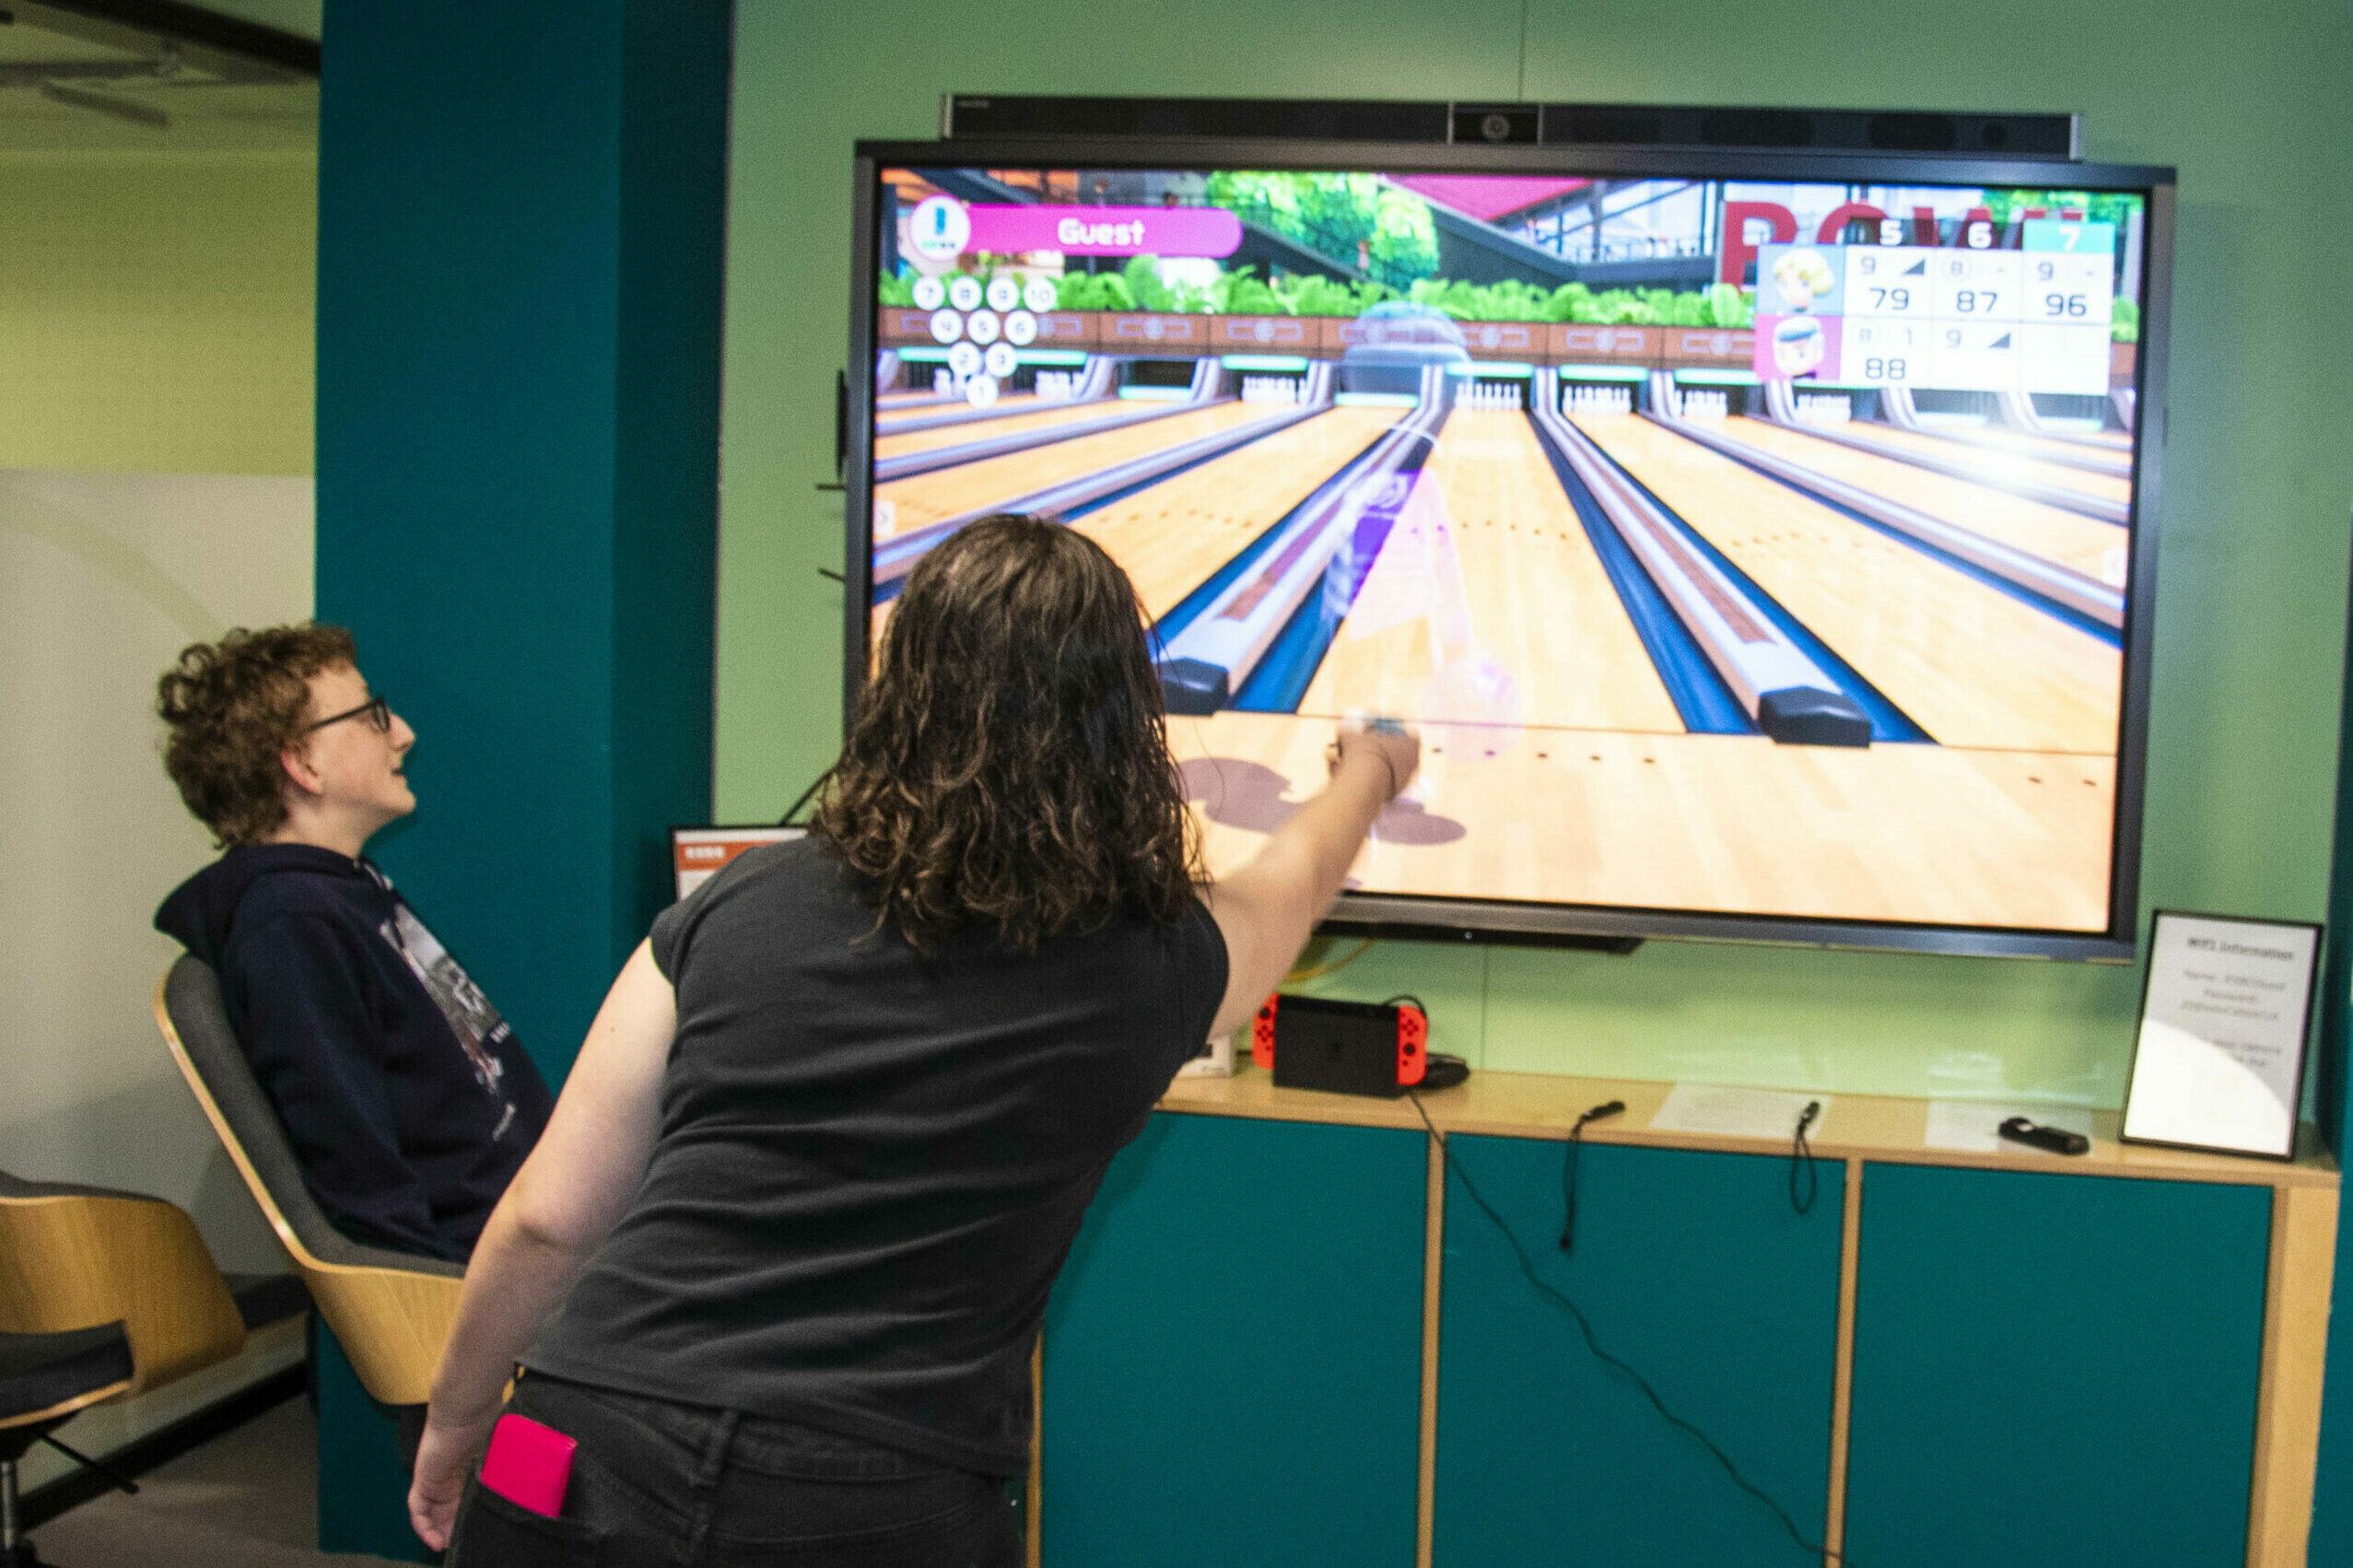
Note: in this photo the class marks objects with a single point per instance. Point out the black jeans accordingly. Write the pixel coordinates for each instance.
(658, 1483)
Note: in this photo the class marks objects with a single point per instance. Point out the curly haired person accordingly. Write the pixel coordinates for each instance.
(408, 1101)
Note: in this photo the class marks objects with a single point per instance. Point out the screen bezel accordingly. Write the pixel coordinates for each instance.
(1454, 918)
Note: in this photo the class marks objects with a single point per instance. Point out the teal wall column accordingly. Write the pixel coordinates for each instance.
(521, 247)
(521, 218)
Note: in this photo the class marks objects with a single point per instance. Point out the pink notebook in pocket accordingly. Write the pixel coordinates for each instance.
(529, 1465)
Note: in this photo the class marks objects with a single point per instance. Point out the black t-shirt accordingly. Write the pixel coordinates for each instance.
(872, 1165)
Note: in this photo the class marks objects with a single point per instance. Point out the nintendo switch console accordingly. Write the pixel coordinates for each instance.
(1346, 1048)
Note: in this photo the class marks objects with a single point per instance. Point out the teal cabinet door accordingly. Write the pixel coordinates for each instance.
(1234, 1353)
(1695, 1270)
(2053, 1369)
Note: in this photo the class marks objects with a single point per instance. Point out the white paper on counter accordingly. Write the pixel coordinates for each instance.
(1974, 1126)
(2222, 1033)
(1737, 1113)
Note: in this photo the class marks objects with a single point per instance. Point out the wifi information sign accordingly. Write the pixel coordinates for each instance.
(1952, 319)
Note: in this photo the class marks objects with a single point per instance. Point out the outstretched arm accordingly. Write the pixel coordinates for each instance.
(1269, 908)
(562, 1204)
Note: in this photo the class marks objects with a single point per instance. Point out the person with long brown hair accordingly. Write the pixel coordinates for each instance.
(776, 1265)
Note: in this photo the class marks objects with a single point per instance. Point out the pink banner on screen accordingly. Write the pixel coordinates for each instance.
(1002, 228)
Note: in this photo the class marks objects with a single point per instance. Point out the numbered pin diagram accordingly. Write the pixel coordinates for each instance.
(999, 360)
(947, 326)
(1021, 329)
(982, 326)
(964, 293)
(1038, 294)
(929, 294)
(1004, 293)
(980, 392)
(964, 359)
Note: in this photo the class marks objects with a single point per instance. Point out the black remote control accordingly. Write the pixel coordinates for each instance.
(2018, 1129)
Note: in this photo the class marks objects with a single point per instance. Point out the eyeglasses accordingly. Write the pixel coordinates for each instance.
(379, 712)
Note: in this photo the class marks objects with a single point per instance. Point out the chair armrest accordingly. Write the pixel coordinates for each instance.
(70, 1260)
(392, 1323)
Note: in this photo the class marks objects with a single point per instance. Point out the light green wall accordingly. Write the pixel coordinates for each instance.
(156, 310)
(154, 462)
(2248, 102)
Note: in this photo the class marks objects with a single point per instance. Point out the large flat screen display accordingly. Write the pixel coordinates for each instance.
(1757, 544)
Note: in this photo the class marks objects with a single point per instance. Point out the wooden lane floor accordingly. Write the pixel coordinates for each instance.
(2103, 443)
(887, 417)
(1998, 464)
(1728, 822)
(2090, 441)
(1017, 420)
(923, 499)
(1173, 536)
(2053, 534)
(1970, 664)
(1492, 571)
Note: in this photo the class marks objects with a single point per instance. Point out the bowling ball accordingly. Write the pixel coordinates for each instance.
(1473, 709)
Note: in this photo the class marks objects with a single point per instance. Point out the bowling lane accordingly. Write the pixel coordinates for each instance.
(2053, 534)
(1970, 664)
(904, 505)
(1999, 466)
(1010, 402)
(1015, 423)
(2103, 443)
(1490, 569)
(1173, 535)
(1695, 822)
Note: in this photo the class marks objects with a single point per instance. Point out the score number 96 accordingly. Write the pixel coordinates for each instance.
(2057, 303)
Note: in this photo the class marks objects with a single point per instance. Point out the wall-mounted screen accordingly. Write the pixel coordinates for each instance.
(1756, 542)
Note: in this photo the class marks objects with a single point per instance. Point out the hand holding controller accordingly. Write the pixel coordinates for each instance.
(1397, 749)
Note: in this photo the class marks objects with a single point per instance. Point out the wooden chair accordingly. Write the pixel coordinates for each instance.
(45, 1379)
(77, 1256)
(391, 1311)
(105, 1294)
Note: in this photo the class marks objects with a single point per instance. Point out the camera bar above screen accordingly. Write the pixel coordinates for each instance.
(1756, 539)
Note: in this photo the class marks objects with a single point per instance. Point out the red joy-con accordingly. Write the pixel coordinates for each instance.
(1412, 1036)
(1263, 1035)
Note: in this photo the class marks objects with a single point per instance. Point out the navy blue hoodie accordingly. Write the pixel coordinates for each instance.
(409, 1102)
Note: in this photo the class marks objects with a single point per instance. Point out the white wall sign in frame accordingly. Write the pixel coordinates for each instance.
(2218, 1064)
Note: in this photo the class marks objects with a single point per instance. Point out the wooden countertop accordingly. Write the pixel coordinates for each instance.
(1868, 1127)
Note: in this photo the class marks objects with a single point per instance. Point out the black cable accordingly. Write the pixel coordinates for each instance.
(1593, 1344)
(1569, 1169)
(1802, 1151)
(805, 797)
(1408, 996)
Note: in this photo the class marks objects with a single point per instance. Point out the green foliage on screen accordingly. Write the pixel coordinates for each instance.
(1140, 285)
(2124, 326)
(2097, 207)
(1093, 291)
(1358, 220)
